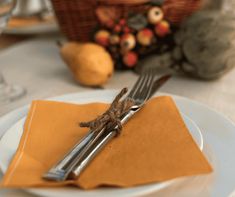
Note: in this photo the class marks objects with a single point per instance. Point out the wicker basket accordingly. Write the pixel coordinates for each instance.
(177, 10)
(77, 18)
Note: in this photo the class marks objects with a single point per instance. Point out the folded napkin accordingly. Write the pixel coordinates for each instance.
(153, 146)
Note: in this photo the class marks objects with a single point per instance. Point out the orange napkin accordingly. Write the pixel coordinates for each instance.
(154, 146)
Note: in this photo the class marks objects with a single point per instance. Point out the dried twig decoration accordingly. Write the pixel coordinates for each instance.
(112, 116)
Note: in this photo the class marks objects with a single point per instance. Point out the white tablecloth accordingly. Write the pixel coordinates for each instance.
(37, 66)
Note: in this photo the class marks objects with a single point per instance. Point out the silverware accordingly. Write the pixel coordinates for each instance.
(63, 168)
(140, 97)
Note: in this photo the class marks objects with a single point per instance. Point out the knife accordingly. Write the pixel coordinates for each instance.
(109, 135)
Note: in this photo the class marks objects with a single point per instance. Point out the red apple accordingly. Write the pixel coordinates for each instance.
(117, 28)
(162, 28)
(122, 22)
(130, 59)
(145, 36)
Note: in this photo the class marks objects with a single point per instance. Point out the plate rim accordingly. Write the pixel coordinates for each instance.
(24, 107)
(33, 29)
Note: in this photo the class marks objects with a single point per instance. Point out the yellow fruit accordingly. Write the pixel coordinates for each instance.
(155, 15)
(114, 39)
(102, 37)
(90, 63)
(128, 42)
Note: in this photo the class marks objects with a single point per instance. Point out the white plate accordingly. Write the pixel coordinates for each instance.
(33, 29)
(11, 139)
(218, 137)
(10, 142)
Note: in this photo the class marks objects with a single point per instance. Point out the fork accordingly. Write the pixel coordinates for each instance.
(141, 93)
(62, 169)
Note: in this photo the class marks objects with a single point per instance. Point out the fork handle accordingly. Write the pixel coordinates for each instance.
(82, 162)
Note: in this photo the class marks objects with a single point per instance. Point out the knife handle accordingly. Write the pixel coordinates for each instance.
(61, 170)
(98, 146)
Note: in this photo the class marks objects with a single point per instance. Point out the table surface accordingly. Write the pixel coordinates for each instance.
(36, 65)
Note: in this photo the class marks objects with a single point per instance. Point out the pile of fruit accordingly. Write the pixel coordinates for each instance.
(130, 38)
(122, 39)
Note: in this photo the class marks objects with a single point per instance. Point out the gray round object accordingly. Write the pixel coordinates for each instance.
(207, 43)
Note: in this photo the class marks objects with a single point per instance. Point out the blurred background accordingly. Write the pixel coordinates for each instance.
(192, 39)
(29, 19)
(32, 18)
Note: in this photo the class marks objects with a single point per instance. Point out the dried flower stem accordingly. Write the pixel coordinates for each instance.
(112, 116)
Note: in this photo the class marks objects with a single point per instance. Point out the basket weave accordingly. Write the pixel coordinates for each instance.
(177, 10)
(77, 18)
